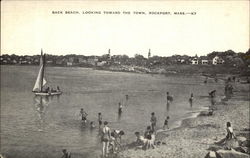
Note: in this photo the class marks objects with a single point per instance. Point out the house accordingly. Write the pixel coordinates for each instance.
(92, 61)
(82, 61)
(49, 62)
(69, 63)
(217, 60)
(101, 63)
(14, 61)
(204, 60)
(180, 60)
(195, 61)
(71, 59)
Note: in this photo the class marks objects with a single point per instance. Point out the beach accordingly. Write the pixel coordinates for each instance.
(58, 126)
(195, 135)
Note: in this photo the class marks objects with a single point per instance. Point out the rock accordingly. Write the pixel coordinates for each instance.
(242, 149)
(206, 113)
(232, 143)
(245, 134)
(231, 154)
(210, 154)
(246, 143)
(241, 140)
(215, 148)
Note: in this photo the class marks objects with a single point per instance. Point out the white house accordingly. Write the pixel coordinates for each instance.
(217, 60)
(195, 61)
(204, 61)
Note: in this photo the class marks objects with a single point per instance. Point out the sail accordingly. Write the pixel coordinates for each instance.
(40, 81)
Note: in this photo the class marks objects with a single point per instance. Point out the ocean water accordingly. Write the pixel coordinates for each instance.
(41, 127)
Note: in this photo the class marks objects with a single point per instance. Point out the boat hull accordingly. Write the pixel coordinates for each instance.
(47, 94)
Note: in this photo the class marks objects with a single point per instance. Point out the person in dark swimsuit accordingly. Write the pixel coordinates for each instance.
(105, 139)
(83, 114)
(191, 100)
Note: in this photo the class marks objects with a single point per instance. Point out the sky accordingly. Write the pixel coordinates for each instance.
(29, 26)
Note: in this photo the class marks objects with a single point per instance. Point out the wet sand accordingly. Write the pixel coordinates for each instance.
(194, 137)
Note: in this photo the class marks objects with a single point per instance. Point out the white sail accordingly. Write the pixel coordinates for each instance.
(37, 86)
(40, 80)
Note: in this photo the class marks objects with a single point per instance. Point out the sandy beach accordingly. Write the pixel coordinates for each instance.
(196, 135)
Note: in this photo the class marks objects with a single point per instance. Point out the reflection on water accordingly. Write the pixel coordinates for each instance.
(41, 104)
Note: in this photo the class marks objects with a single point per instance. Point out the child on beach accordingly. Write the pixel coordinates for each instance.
(92, 125)
(166, 123)
(151, 142)
(100, 119)
(147, 133)
(83, 114)
(118, 135)
(153, 121)
(112, 144)
(140, 140)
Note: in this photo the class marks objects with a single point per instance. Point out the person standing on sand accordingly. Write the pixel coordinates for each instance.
(105, 139)
(191, 100)
(153, 121)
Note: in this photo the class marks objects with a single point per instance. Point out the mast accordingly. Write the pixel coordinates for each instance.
(42, 75)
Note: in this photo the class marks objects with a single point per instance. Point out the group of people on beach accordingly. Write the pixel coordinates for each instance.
(147, 140)
(111, 140)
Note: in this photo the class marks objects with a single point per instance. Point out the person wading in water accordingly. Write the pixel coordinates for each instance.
(105, 139)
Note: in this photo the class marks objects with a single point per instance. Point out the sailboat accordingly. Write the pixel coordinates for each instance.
(41, 82)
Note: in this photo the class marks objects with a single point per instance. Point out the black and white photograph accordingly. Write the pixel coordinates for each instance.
(125, 79)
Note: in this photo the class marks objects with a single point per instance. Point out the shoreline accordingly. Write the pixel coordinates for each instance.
(169, 70)
(195, 135)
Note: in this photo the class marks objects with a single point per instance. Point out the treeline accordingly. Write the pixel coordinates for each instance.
(229, 57)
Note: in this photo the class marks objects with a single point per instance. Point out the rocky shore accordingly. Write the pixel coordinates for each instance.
(196, 136)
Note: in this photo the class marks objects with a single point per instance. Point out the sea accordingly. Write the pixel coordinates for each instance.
(40, 127)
